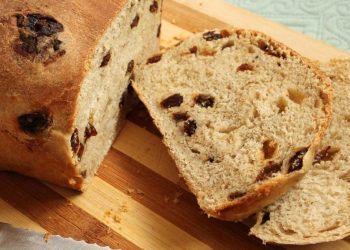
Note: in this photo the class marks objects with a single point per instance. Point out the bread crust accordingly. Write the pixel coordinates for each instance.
(27, 86)
(270, 190)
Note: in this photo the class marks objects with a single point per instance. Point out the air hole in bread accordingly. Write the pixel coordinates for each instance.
(236, 195)
(265, 218)
(296, 95)
(347, 118)
(227, 130)
(245, 67)
(281, 104)
(269, 149)
(106, 59)
(229, 44)
(135, 22)
(207, 52)
(326, 154)
(159, 30)
(269, 170)
(251, 50)
(174, 100)
(287, 231)
(317, 103)
(195, 151)
(256, 113)
(130, 67)
(330, 228)
(296, 162)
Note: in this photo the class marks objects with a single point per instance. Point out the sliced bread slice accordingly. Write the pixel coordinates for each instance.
(317, 209)
(241, 115)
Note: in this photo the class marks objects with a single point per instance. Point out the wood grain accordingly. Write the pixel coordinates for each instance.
(137, 200)
(54, 213)
(172, 202)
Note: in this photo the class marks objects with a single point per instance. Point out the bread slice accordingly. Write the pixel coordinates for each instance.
(64, 71)
(317, 209)
(241, 115)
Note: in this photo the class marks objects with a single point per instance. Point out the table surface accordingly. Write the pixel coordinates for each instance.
(327, 20)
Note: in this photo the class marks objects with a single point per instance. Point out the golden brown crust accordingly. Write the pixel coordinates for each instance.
(27, 86)
(270, 190)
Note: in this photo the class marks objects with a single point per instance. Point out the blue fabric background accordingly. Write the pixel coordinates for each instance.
(327, 20)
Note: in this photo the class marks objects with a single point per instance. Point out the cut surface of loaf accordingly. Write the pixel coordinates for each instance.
(240, 114)
(64, 72)
(317, 209)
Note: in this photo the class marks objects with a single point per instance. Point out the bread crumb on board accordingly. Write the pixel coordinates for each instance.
(46, 237)
(115, 215)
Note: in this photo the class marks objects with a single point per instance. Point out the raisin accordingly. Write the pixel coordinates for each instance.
(190, 127)
(235, 195)
(296, 162)
(172, 101)
(74, 141)
(38, 38)
(154, 7)
(204, 101)
(56, 44)
(245, 67)
(135, 22)
(265, 218)
(180, 116)
(193, 50)
(326, 154)
(130, 66)
(20, 21)
(269, 170)
(90, 131)
(30, 43)
(106, 60)
(159, 30)
(36, 122)
(44, 25)
(211, 159)
(154, 59)
(80, 151)
(213, 35)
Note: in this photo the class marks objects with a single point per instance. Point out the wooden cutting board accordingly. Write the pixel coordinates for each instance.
(137, 200)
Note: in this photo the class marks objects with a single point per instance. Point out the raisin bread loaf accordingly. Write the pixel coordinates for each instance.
(317, 209)
(64, 68)
(241, 115)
